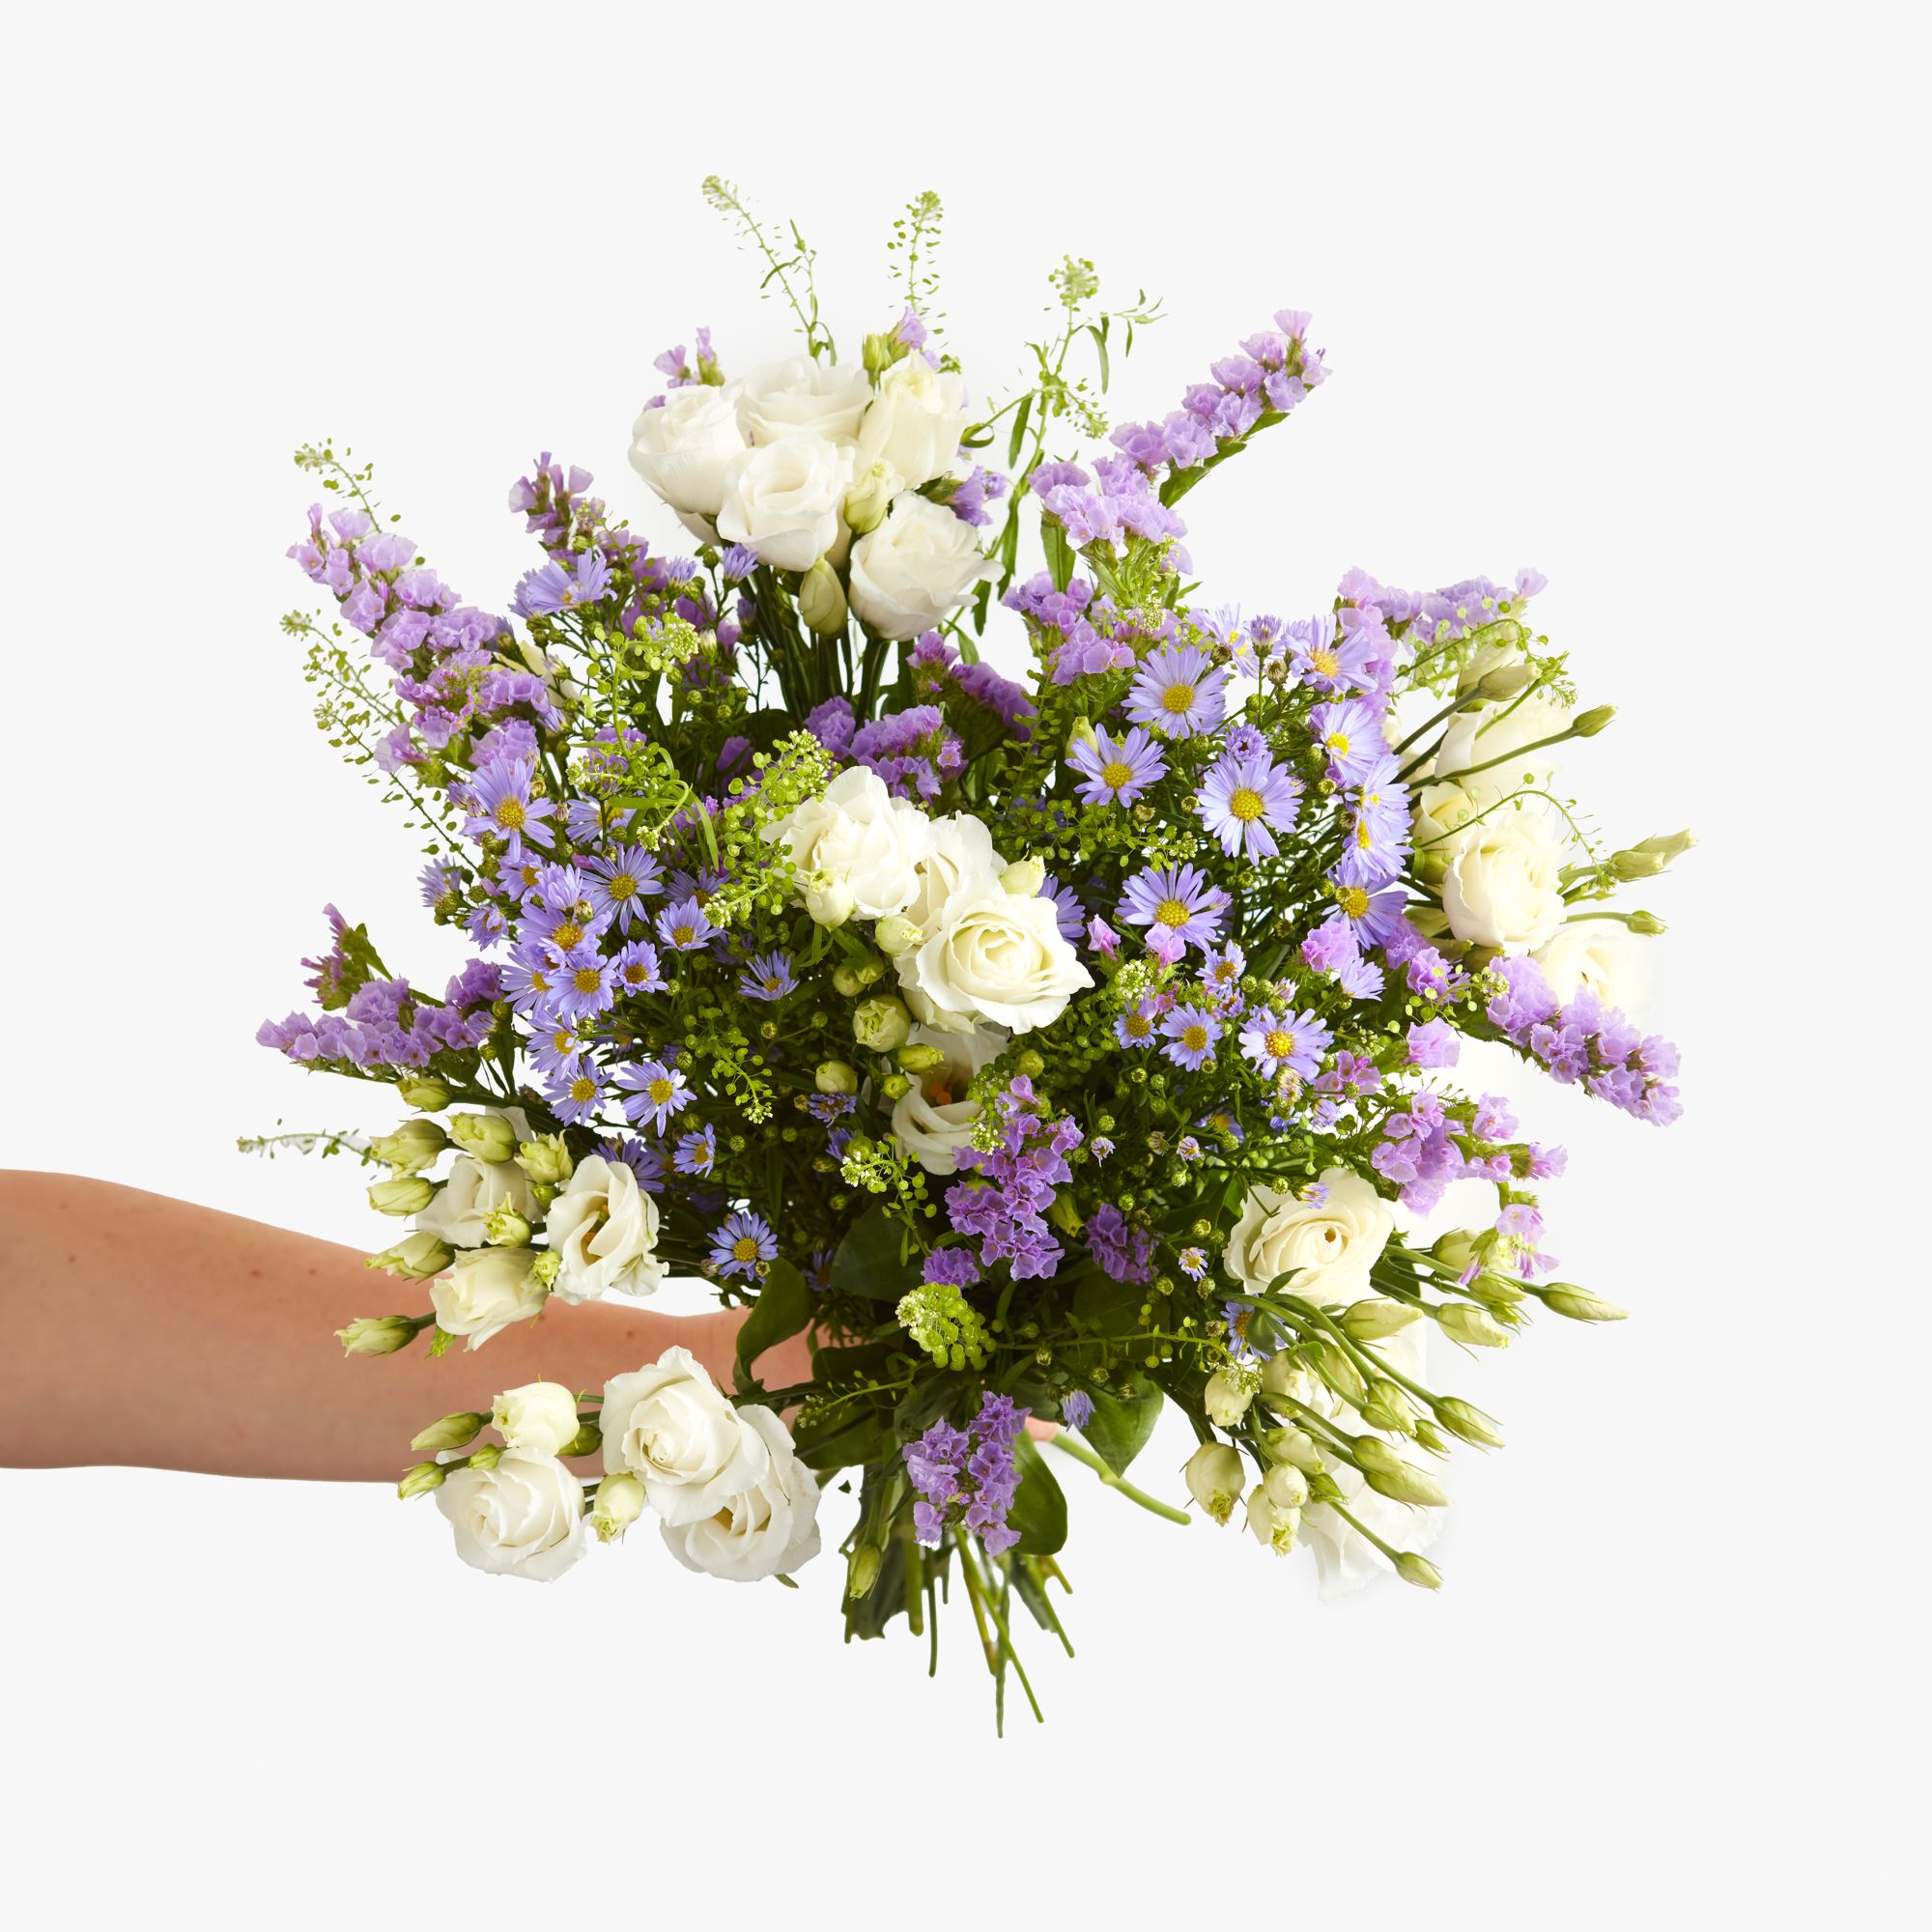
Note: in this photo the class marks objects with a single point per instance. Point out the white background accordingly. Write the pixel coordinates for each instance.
(1618, 293)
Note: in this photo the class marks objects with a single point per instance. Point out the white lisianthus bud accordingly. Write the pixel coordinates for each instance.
(545, 1159)
(920, 563)
(1337, 1368)
(802, 397)
(682, 446)
(488, 1137)
(821, 600)
(881, 1023)
(829, 902)
(897, 934)
(1213, 1476)
(504, 1228)
(1227, 1396)
(414, 1258)
(836, 1076)
(1465, 1419)
(420, 1091)
(1377, 1318)
(1326, 1239)
(1287, 1487)
(1579, 1304)
(539, 1416)
(450, 1432)
(411, 1147)
(406, 1194)
(1504, 885)
(378, 1334)
(1388, 1475)
(485, 1292)
(1295, 1447)
(521, 1515)
(1024, 877)
(420, 1480)
(1274, 1526)
(620, 1502)
(871, 496)
(1464, 1321)
(1283, 1376)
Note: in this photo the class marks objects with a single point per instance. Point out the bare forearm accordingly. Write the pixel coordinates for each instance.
(134, 1328)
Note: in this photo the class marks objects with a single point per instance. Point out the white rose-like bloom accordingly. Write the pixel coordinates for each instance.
(462, 1208)
(1593, 955)
(669, 1425)
(766, 1530)
(604, 1227)
(916, 422)
(802, 397)
(783, 500)
(1502, 885)
(1475, 737)
(682, 446)
(524, 1518)
(959, 858)
(935, 1119)
(1327, 1244)
(485, 1292)
(919, 564)
(996, 957)
(540, 1418)
(857, 835)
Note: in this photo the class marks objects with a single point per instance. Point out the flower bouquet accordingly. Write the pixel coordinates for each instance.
(1046, 1050)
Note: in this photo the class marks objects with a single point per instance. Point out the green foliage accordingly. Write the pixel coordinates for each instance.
(1118, 1428)
(782, 1310)
(1040, 1504)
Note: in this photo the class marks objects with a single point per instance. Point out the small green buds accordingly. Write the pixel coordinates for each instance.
(881, 1023)
(896, 935)
(1296, 1446)
(587, 1442)
(488, 1137)
(546, 1161)
(1376, 1318)
(1213, 1476)
(863, 1571)
(1024, 877)
(406, 1194)
(1667, 845)
(420, 1480)
(504, 1228)
(1465, 1419)
(1587, 724)
(450, 1432)
(1388, 1475)
(1646, 925)
(869, 497)
(412, 1147)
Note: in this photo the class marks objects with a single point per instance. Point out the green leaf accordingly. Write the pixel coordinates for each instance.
(1040, 1504)
(1107, 1307)
(847, 1440)
(782, 1308)
(1118, 1430)
(1100, 336)
(1019, 435)
(867, 1261)
(1059, 552)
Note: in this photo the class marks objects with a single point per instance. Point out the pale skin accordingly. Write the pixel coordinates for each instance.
(140, 1330)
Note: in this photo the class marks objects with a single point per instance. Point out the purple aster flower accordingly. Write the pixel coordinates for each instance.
(617, 883)
(1286, 1044)
(684, 927)
(554, 586)
(1178, 691)
(585, 985)
(637, 969)
(1117, 771)
(1329, 660)
(737, 564)
(767, 977)
(1350, 730)
(530, 979)
(697, 1153)
(1076, 1408)
(1177, 900)
(1069, 914)
(1244, 802)
(575, 1098)
(1137, 1025)
(742, 1243)
(654, 1093)
(1191, 1033)
(558, 1049)
(500, 805)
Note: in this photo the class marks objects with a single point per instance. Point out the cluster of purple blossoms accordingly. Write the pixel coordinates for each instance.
(676, 367)
(1076, 647)
(1118, 502)
(1004, 1203)
(938, 672)
(913, 751)
(1122, 1249)
(1587, 1040)
(968, 1476)
(969, 499)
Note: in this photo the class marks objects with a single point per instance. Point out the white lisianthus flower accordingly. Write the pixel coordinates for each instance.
(1214, 1474)
(916, 421)
(919, 564)
(996, 958)
(935, 1119)
(603, 1229)
(1502, 885)
(475, 1188)
(1475, 737)
(1593, 955)
(1327, 1242)
(856, 835)
(681, 448)
(783, 500)
(959, 858)
(669, 1425)
(485, 1292)
(539, 1418)
(524, 1517)
(802, 397)
(768, 1529)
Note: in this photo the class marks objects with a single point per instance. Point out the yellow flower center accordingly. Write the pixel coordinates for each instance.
(1139, 1026)
(683, 935)
(1338, 743)
(1354, 900)
(623, 886)
(660, 1092)
(567, 935)
(1325, 661)
(586, 979)
(1194, 1038)
(583, 1088)
(1280, 1042)
(1171, 912)
(1115, 774)
(1246, 805)
(510, 814)
(744, 1249)
(1177, 699)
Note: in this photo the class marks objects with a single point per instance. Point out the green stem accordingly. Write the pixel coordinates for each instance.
(1080, 1453)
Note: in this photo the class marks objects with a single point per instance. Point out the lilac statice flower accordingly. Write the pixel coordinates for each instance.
(969, 499)
(1177, 900)
(1117, 771)
(742, 1243)
(967, 1478)
(1178, 691)
(1433, 1043)
(913, 751)
(1010, 1186)
(1244, 802)
(1123, 1250)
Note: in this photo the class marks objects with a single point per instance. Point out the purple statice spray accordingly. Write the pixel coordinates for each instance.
(967, 1478)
